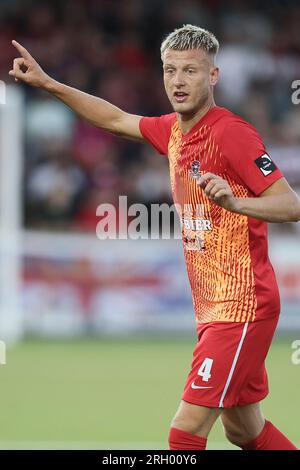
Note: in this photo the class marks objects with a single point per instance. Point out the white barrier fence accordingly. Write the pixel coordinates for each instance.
(75, 284)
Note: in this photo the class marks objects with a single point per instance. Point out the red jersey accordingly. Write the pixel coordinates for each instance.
(226, 254)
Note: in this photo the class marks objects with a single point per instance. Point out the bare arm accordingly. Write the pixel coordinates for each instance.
(98, 112)
(279, 203)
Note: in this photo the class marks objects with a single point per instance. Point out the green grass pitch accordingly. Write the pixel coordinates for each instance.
(116, 394)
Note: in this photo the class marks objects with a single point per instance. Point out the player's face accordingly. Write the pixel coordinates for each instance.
(189, 77)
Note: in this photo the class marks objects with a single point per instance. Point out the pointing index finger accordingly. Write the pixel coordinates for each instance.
(24, 53)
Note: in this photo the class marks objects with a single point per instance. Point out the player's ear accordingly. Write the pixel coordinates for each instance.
(214, 76)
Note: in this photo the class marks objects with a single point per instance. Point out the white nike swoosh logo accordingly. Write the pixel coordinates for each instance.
(195, 387)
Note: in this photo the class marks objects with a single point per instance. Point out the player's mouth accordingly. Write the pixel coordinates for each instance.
(180, 96)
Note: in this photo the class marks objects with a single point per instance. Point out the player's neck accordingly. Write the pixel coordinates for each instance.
(186, 123)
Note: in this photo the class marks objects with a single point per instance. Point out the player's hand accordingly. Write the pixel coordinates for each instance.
(26, 69)
(218, 190)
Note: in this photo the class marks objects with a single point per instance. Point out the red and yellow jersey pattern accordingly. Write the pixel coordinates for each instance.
(226, 254)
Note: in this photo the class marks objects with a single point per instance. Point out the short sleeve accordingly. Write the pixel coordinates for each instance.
(157, 130)
(246, 154)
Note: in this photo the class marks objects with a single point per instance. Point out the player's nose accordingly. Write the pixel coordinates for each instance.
(179, 79)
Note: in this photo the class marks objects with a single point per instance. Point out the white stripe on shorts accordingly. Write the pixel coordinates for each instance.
(233, 365)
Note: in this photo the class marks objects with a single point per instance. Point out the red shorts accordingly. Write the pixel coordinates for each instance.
(228, 367)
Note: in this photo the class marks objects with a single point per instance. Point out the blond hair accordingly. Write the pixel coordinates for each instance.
(190, 37)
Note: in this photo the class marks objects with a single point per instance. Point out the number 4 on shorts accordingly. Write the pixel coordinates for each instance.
(205, 369)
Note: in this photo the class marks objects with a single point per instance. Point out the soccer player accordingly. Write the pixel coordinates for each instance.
(226, 187)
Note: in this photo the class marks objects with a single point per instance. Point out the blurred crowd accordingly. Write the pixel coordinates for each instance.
(110, 48)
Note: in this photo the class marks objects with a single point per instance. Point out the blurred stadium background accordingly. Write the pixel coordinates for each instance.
(100, 333)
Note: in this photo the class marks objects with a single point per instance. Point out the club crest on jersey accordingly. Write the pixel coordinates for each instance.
(195, 169)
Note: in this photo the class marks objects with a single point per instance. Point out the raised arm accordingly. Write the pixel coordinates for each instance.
(98, 112)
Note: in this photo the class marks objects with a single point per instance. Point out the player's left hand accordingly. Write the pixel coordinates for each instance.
(218, 190)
